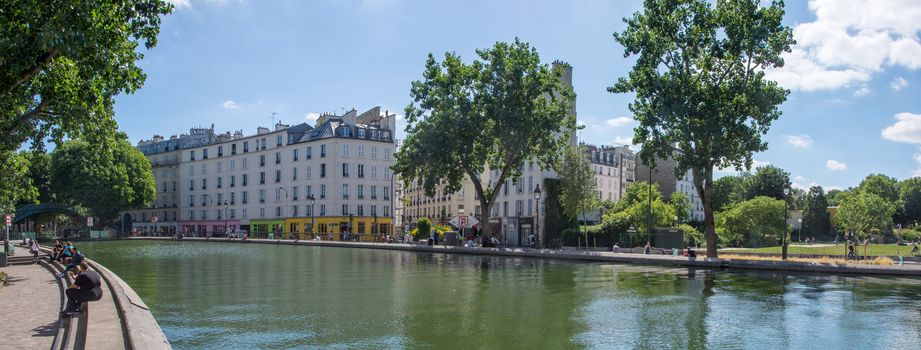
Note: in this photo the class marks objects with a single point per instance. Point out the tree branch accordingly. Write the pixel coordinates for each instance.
(25, 118)
(27, 74)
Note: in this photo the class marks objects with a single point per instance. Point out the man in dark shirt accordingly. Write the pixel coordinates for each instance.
(87, 287)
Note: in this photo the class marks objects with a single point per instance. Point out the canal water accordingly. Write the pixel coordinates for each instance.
(249, 296)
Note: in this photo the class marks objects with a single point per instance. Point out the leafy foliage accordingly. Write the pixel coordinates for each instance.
(498, 112)
(728, 190)
(15, 183)
(636, 208)
(768, 181)
(682, 205)
(881, 185)
(700, 86)
(910, 197)
(423, 228)
(40, 174)
(864, 212)
(578, 189)
(62, 62)
(755, 222)
(106, 185)
(816, 220)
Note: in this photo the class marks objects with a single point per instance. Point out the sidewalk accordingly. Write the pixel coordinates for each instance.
(29, 304)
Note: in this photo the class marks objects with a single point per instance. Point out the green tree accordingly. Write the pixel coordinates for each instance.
(15, 183)
(423, 228)
(728, 190)
(755, 222)
(863, 213)
(816, 220)
(880, 185)
(682, 205)
(700, 86)
(910, 197)
(637, 208)
(578, 188)
(106, 185)
(62, 62)
(40, 174)
(835, 196)
(767, 181)
(496, 113)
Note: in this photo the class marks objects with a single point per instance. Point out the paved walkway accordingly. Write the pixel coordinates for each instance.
(29, 304)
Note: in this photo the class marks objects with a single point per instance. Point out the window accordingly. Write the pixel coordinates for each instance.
(530, 183)
(192, 155)
(233, 164)
(261, 160)
(204, 153)
(345, 169)
(277, 157)
(233, 149)
(191, 200)
(233, 213)
(308, 191)
(219, 182)
(278, 140)
(233, 181)
(322, 209)
(308, 211)
(294, 155)
(294, 191)
(261, 196)
(204, 202)
(345, 209)
(262, 141)
(278, 194)
(294, 174)
(322, 191)
(386, 155)
(309, 175)
(243, 197)
(530, 206)
(308, 153)
(345, 150)
(204, 184)
(191, 215)
(361, 170)
(220, 151)
(191, 185)
(220, 198)
(293, 210)
(374, 171)
(322, 170)
(204, 214)
(361, 192)
(278, 212)
(505, 208)
(505, 189)
(386, 210)
(244, 180)
(322, 151)
(373, 152)
(277, 176)
(191, 170)
(373, 192)
(262, 178)
(361, 148)
(244, 163)
(519, 208)
(386, 192)
(373, 210)
(261, 212)
(244, 213)
(361, 211)
(245, 146)
(345, 191)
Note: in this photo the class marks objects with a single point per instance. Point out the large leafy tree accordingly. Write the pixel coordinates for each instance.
(15, 183)
(910, 197)
(106, 185)
(700, 85)
(40, 174)
(641, 206)
(62, 62)
(863, 212)
(816, 220)
(578, 188)
(728, 190)
(768, 181)
(755, 222)
(880, 185)
(496, 113)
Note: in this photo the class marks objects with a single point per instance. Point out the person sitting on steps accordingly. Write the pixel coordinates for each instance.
(87, 286)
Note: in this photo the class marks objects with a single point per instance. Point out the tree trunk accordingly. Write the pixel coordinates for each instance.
(706, 198)
(485, 230)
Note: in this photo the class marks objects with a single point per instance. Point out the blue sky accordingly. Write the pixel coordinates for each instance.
(855, 78)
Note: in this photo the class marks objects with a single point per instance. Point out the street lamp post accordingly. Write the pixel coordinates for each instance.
(783, 237)
(312, 215)
(282, 210)
(226, 208)
(540, 236)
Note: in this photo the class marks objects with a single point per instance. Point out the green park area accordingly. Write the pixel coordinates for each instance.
(829, 249)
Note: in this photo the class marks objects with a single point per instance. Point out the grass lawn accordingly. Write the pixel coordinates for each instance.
(872, 250)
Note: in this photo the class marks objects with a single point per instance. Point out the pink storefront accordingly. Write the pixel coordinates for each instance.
(208, 228)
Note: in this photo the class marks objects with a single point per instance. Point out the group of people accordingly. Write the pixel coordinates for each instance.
(66, 253)
(87, 285)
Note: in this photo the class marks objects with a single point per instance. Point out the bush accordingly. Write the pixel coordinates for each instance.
(423, 229)
(910, 235)
(691, 235)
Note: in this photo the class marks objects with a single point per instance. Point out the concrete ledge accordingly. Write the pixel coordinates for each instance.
(141, 330)
(859, 269)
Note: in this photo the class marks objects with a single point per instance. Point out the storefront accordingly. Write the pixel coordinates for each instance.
(208, 228)
(333, 227)
(267, 228)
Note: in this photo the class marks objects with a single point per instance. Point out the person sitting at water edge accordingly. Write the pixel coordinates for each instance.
(87, 286)
(77, 259)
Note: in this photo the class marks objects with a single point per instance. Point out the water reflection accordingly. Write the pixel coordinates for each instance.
(266, 296)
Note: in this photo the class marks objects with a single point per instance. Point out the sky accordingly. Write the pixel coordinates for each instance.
(854, 76)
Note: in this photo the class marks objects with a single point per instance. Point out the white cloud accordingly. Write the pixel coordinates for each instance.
(849, 42)
(623, 140)
(907, 129)
(799, 141)
(181, 4)
(898, 83)
(312, 116)
(862, 91)
(835, 165)
(619, 121)
(799, 178)
(230, 104)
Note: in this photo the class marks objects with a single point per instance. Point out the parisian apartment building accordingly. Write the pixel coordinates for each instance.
(331, 177)
(443, 206)
(662, 172)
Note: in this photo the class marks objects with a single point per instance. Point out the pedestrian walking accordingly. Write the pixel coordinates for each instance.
(35, 249)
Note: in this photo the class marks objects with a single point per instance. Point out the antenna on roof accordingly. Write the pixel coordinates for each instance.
(273, 119)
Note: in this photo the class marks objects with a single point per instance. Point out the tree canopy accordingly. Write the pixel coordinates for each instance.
(700, 85)
(755, 222)
(637, 209)
(728, 190)
(816, 220)
(910, 198)
(15, 184)
(62, 62)
(768, 181)
(106, 186)
(578, 189)
(498, 112)
(881, 185)
(863, 212)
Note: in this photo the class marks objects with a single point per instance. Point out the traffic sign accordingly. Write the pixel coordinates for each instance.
(89, 221)
(153, 219)
(9, 220)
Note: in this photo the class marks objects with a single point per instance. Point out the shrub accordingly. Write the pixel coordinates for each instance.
(910, 235)
(423, 229)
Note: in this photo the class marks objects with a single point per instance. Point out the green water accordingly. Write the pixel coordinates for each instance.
(246, 296)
